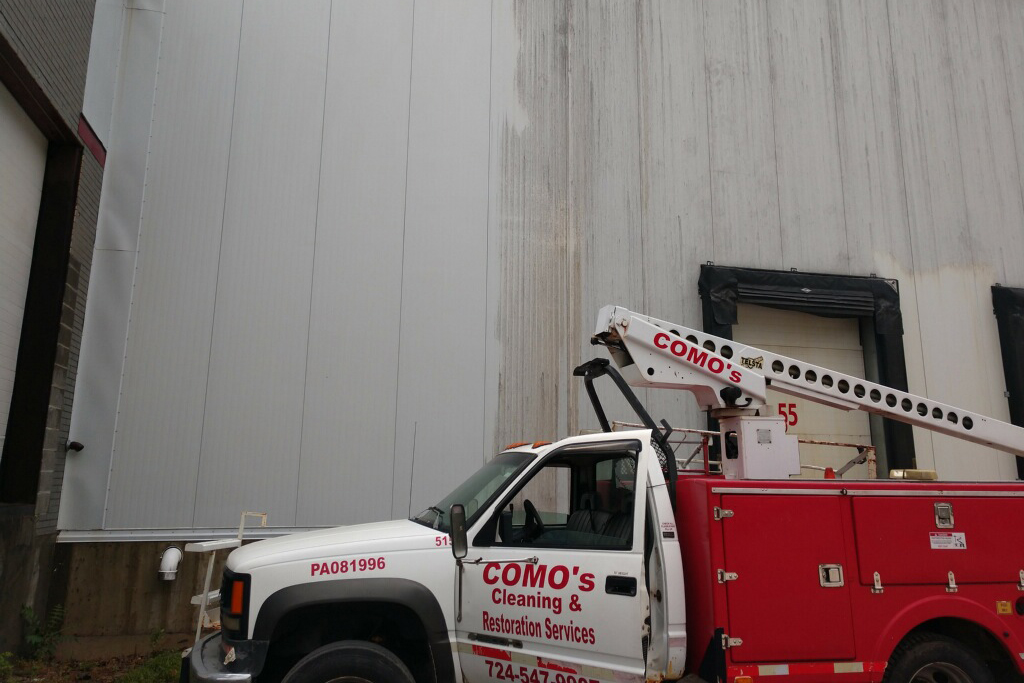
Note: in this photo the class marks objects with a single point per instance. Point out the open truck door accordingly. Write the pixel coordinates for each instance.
(554, 586)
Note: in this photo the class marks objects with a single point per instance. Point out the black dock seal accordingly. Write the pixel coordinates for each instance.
(873, 299)
(1008, 305)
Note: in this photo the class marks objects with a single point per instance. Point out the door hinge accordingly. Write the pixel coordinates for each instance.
(724, 576)
(728, 642)
(721, 514)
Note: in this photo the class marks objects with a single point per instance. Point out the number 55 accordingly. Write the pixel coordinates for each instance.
(788, 411)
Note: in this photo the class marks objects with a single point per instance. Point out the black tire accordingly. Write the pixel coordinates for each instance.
(349, 661)
(934, 658)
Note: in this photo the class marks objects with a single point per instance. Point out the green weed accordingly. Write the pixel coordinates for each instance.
(160, 668)
(42, 637)
(6, 667)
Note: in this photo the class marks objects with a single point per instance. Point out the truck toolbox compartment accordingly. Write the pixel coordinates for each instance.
(777, 604)
(902, 539)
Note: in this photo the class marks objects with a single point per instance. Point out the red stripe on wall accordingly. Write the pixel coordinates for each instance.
(91, 142)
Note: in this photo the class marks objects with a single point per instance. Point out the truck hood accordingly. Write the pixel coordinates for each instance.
(402, 534)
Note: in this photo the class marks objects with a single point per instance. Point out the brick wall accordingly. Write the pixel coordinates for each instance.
(50, 40)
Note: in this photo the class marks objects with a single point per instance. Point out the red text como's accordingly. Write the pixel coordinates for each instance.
(537, 576)
(697, 356)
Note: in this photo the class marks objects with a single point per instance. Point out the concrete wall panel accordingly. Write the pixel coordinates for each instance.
(992, 183)
(606, 245)
(675, 179)
(944, 253)
(439, 425)
(874, 198)
(252, 427)
(814, 231)
(163, 394)
(745, 221)
(528, 223)
(1011, 26)
(348, 444)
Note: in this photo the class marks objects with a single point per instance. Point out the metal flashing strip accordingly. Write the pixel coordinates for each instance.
(140, 535)
(869, 492)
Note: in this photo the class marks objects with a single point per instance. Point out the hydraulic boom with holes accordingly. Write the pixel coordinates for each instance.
(730, 379)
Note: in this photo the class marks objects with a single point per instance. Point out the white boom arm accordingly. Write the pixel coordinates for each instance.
(723, 374)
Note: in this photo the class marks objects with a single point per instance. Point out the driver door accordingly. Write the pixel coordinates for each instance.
(553, 587)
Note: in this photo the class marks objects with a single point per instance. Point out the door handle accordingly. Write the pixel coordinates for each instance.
(620, 585)
(495, 640)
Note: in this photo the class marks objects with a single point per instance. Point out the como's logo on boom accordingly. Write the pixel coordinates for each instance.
(697, 356)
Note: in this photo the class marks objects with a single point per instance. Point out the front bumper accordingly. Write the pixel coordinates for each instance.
(206, 661)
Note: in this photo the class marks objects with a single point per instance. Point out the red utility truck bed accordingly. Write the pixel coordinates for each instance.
(789, 569)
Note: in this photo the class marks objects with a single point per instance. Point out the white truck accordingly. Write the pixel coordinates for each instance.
(596, 559)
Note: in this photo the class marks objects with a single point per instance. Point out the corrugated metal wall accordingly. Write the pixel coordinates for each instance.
(374, 235)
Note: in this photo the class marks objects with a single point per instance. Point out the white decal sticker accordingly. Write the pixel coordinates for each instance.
(947, 540)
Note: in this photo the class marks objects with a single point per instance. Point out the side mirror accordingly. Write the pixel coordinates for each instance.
(460, 546)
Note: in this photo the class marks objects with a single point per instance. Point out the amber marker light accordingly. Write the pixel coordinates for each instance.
(237, 597)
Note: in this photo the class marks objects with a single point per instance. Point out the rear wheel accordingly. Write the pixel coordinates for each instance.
(933, 658)
(350, 661)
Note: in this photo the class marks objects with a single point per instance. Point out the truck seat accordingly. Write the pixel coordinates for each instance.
(586, 519)
(619, 527)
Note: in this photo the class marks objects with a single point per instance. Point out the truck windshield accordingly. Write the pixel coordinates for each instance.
(477, 492)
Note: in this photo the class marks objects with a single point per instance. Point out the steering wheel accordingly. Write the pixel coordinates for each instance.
(534, 527)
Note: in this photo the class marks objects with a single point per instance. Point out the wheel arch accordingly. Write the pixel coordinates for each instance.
(958, 618)
(411, 595)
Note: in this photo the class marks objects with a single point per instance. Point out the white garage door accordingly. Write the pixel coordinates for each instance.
(23, 155)
(829, 342)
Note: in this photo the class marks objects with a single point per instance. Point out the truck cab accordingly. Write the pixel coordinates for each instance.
(570, 572)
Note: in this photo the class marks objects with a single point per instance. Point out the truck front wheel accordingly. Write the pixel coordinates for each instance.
(349, 661)
(933, 658)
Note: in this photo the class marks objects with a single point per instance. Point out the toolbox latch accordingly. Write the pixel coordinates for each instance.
(721, 514)
(830, 575)
(943, 515)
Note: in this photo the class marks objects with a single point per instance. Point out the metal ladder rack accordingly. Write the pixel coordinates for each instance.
(211, 598)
